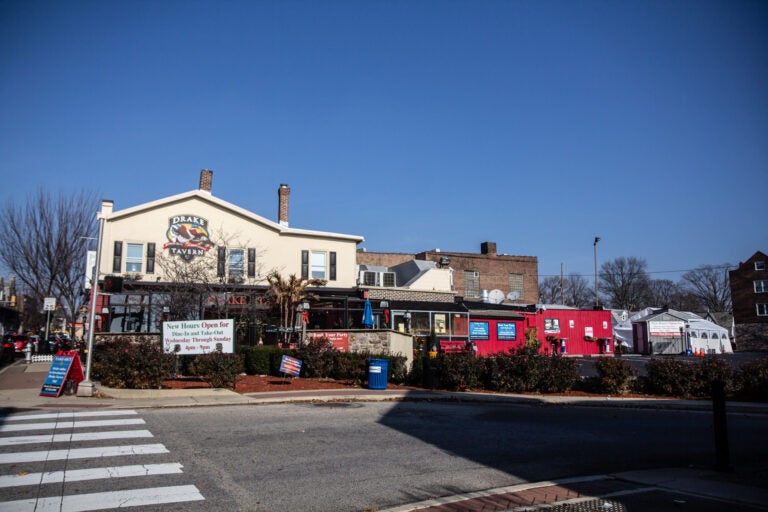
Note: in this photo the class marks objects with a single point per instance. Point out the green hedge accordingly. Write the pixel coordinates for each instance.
(123, 363)
(614, 375)
(320, 360)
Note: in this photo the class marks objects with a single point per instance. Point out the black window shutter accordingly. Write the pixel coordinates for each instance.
(251, 262)
(305, 264)
(332, 273)
(150, 258)
(222, 260)
(117, 259)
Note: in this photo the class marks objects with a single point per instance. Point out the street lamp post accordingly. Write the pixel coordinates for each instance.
(86, 388)
(597, 300)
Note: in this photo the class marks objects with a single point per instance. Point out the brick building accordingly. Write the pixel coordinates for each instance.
(516, 277)
(749, 295)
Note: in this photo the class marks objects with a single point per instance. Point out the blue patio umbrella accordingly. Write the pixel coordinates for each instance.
(367, 315)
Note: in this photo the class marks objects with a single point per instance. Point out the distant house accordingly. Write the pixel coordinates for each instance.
(503, 277)
(749, 295)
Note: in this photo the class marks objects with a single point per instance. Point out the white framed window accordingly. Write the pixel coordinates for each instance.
(236, 262)
(761, 286)
(134, 256)
(318, 265)
(762, 309)
(760, 266)
(471, 284)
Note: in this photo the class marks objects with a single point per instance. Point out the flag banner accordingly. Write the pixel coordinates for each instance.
(291, 366)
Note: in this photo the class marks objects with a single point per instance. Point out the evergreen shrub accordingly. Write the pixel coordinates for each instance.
(670, 377)
(708, 370)
(460, 372)
(753, 380)
(217, 369)
(518, 371)
(123, 363)
(614, 375)
(558, 374)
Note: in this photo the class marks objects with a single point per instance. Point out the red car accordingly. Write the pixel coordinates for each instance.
(19, 342)
(8, 353)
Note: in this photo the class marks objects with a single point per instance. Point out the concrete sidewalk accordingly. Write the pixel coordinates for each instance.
(20, 385)
(658, 490)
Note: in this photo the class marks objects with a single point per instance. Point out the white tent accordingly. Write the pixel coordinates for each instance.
(708, 337)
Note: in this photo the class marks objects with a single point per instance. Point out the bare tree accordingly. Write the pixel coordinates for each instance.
(550, 290)
(578, 292)
(45, 246)
(711, 286)
(625, 282)
(663, 292)
(573, 290)
(196, 283)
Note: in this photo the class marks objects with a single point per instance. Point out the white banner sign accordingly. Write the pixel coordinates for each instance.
(665, 329)
(199, 336)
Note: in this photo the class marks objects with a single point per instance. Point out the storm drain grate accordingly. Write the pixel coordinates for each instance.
(596, 505)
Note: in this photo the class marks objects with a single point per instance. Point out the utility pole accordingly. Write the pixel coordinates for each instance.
(562, 285)
(597, 300)
(86, 388)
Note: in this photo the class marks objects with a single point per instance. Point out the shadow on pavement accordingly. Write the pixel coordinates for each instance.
(533, 441)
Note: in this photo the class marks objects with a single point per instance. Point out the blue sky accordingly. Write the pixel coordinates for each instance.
(416, 124)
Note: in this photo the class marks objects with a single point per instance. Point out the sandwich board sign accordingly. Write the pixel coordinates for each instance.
(65, 366)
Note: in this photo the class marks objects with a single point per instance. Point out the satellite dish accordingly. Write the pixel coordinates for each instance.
(496, 297)
(513, 295)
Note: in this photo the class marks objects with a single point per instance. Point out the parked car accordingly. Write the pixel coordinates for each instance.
(8, 350)
(20, 342)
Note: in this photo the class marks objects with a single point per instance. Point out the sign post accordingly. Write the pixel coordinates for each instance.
(49, 304)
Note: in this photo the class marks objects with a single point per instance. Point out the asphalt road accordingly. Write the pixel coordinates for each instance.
(353, 457)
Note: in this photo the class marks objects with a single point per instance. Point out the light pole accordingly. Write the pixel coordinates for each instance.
(597, 300)
(86, 388)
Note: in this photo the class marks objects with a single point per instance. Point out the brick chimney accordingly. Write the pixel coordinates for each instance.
(283, 193)
(206, 180)
(488, 248)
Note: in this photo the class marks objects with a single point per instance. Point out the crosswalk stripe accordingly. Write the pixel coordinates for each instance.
(79, 475)
(70, 424)
(105, 500)
(67, 414)
(74, 437)
(82, 453)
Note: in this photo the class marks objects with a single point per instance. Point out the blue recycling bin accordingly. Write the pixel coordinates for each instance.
(377, 373)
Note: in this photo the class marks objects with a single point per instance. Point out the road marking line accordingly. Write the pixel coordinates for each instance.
(71, 424)
(105, 500)
(67, 414)
(79, 475)
(73, 437)
(82, 453)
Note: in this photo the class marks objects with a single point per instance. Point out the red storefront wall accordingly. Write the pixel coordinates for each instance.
(573, 325)
(498, 337)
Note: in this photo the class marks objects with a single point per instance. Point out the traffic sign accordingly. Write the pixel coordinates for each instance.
(49, 304)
